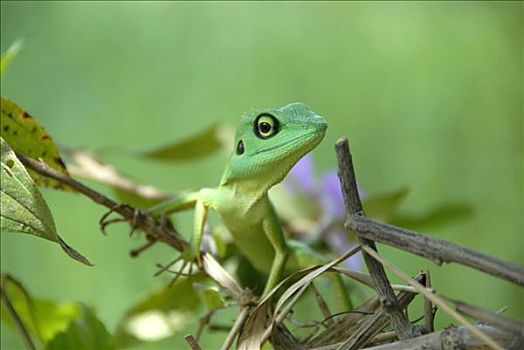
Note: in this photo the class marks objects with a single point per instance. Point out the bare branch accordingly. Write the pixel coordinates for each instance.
(144, 222)
(324, 307)
(429, 247)
(387, 297)
(434, 298)
(429, 312)
(359, 326)
(237, 327)
(503, 322)
(449, 338)
(192, 342)
(434, 249)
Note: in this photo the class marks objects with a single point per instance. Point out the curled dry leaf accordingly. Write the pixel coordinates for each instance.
(258, 318)
(216, 272)
(85, 164)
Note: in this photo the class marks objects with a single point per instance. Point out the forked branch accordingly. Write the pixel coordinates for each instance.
(432, 248)
(346, 173)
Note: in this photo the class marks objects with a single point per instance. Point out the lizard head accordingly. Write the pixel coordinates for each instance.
(269, 142)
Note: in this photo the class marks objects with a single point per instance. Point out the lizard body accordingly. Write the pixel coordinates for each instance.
(267, 145)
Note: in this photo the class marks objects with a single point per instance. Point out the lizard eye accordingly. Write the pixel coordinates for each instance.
(240, 148)
(266, 126)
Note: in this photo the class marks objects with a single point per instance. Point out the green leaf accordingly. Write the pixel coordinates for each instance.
(8, 55)
(86, 332)
(42, 318)
(23, 209)
(441, 215)
(25, 135)
(197, 146)
(160, 315)
(383, 207)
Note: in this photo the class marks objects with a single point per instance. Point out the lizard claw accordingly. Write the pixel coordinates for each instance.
(138, 215)
(104, 221)
(188, 260)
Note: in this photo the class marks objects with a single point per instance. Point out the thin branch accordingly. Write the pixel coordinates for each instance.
(383, 338)
(192, 342)
(434, 249)
(429, 314)
(387, 297)
(205, 321)
(434, 298)
(282, 339)
(368, 281)
(144, 222)
(449, 338)
(373, 324)
(244, 313)
(324, 307)
(503, 322)
(362, 323)
(16, 318)
(139, 250)
(429, 247)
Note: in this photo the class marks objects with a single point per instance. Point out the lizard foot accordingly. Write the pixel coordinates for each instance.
(105, 221)
(138, 216)
(188, 261)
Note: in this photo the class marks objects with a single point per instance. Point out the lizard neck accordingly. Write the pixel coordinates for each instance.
(248, 190)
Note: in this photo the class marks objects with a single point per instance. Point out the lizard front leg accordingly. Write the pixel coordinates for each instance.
(274, 234)
(179, 202)
(199, 200)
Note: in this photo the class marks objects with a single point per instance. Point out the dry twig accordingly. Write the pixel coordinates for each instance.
(504, 322)
(192, 342)
(434, 298)
(346, 173)
(429, 312)
(447, 339)
(144, 222)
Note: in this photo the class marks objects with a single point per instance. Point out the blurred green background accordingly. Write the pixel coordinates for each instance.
(429, 94)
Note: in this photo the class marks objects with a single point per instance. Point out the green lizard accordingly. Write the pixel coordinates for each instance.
(267, 145)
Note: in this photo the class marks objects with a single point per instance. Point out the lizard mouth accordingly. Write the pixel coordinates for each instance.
(305, 142)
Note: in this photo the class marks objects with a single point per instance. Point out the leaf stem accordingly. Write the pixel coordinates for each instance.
(16, 318)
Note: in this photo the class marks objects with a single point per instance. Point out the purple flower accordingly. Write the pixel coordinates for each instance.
(331, 196)
(327, 194)
(301, 178)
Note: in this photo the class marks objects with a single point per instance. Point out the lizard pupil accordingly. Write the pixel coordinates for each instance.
(240, 148)
(264, 127)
